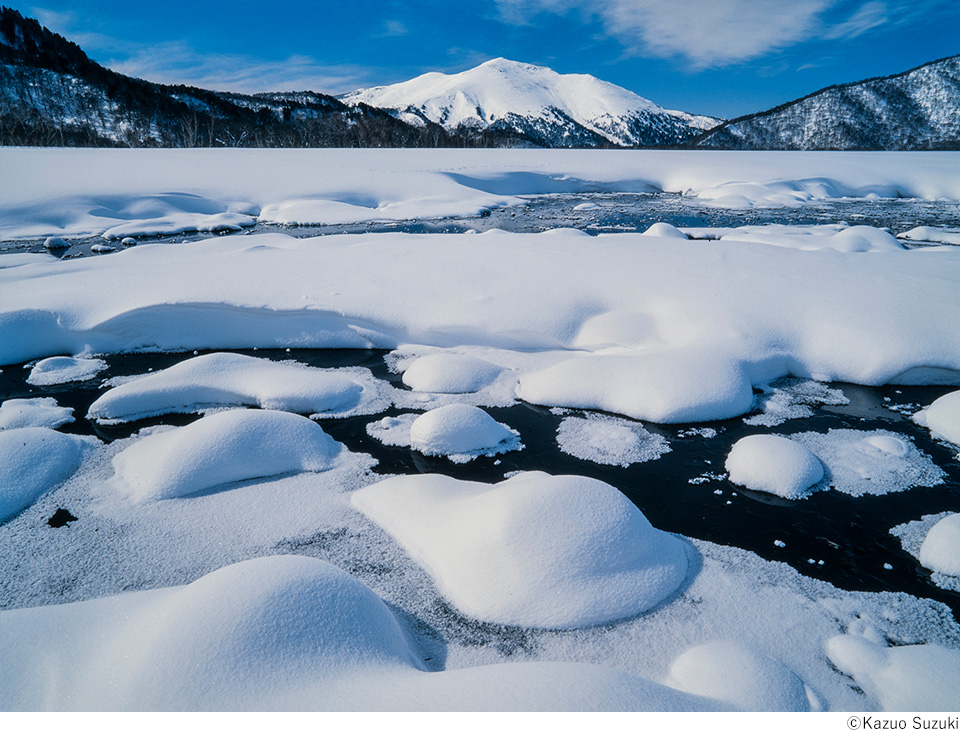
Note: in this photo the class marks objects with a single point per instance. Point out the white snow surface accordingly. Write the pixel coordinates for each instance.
(942, 417)
(461, 432)
(870, 462)
(450, 373)
(58, 370)
(535, 550)
(34, 461)
(221, 449)
(609, 440)
(903, 678)
(223, 379)
(774, 464)
(33, 413)
(87, 192)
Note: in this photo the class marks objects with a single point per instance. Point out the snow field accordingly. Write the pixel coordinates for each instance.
(535, 550)
(220, 449)
(774, 464)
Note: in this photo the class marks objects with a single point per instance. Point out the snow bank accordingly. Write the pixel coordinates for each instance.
(930, 234)
(221, 449)
(58, 370)
(870, 462)
(534, 550)
(9, 260)
(773, 464)
(450, 373)
(461, 432)
(33, 413)
(942, 417)
(608, 440)
(34, 461)
(747, 679)
(833, 237)
(900, 678)
(940, 550)
(224, 379)
(180, 223)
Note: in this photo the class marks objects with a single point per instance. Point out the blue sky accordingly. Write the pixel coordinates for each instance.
(718, 57)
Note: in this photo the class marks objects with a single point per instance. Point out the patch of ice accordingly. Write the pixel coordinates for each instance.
(747, 679)
(461, 433)
(534, 550)
(58, 370)
(33, 413)
(226, 379)
(900, 678)
(221, 449)
(789, 398)
(942, 417)
(450, 373)
(608, 440)
(870, 462)
(774, 464)
(34, 461)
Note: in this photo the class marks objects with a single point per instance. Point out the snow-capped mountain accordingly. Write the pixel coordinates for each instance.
(914, 110)
(542, 106)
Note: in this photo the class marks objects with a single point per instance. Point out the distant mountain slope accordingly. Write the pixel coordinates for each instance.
(537, 103)
(918, 109)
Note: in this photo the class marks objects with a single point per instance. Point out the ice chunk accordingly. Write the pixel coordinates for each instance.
(774, 464)
(461, 432)
(221, 449)
(34, 461)
(940, 550)
(33, 412)
(449, 373)
(225, 379)
(735, 673)
(901, 678)
(608, 440)
(942, 417)
(535, 550)
(57, 370)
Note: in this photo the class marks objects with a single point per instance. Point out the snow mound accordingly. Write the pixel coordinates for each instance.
(670, 387)
(931, 234)
(448, 373)
(57, 370)
(942, 417)
(225, 379)
(226, 447)
(536, 550)
(834, 237)
(774, 464)
(665, 230)
(33, 461)
(462, 433)
(55, 243)
(608, 440)
(900, 678)
(870, 462)
(731, 672)
(912, 536)
(33, 413)
(940, 550)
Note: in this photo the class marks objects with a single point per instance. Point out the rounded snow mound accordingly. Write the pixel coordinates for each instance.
(940, 550)
(449, 373)
(556, 552)
(34, 461)
(942, 417)
(861, 239)
(250, 630)
(774, 464)
(224, 379)
(33, 412)
(220, 449)
(665, 230)
(461, 430)
(63, 369)
(734, 673)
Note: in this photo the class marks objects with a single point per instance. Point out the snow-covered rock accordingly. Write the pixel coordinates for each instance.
(34, 461)
(223, 379)
(33, 413)
(221, 449)
(664, 230)
(940, 550)
(461, 432)
(57, 370)
(55, 243)
(774, 464)
(534, 550)
(449, 373)
(942, 417)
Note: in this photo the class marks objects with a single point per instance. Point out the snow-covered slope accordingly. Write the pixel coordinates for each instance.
(914, 110)
(547, 108)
